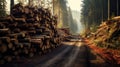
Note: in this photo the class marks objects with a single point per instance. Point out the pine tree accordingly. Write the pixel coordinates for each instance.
(2, 8)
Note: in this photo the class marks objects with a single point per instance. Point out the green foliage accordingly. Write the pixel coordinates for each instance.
(2, 8)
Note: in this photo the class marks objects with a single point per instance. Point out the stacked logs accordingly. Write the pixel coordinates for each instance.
(108, 34)
(107, 37)
(28, 31)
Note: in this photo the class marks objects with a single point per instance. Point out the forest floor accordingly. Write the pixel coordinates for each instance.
(72, 53)
(110, 56)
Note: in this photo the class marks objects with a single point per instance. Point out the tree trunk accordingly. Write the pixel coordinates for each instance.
(30, 2)
(117, 7)
(108, 9)
(11, 5)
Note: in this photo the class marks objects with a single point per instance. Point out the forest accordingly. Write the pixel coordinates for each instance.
(95, 12)
(102, 27)
(45, 33)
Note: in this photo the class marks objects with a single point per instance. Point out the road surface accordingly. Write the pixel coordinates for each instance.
(71, 54)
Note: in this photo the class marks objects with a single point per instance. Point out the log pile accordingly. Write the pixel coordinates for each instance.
(64, 33)
(106, 41)
(108, 34)
(28, 31)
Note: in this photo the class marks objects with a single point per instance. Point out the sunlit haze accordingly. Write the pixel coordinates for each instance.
(75, 5)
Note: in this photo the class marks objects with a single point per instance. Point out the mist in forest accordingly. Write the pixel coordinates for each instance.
(76, 17)
(76, 26)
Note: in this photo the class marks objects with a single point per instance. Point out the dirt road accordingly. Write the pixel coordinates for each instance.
(71, 54)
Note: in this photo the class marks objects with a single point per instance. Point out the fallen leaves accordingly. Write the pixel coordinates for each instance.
(109, 55)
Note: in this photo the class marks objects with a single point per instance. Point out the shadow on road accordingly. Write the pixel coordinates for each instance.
(59, 57)
(92, 59)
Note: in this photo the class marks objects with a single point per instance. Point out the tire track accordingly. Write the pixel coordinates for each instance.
(73, 55)
(57, 57)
